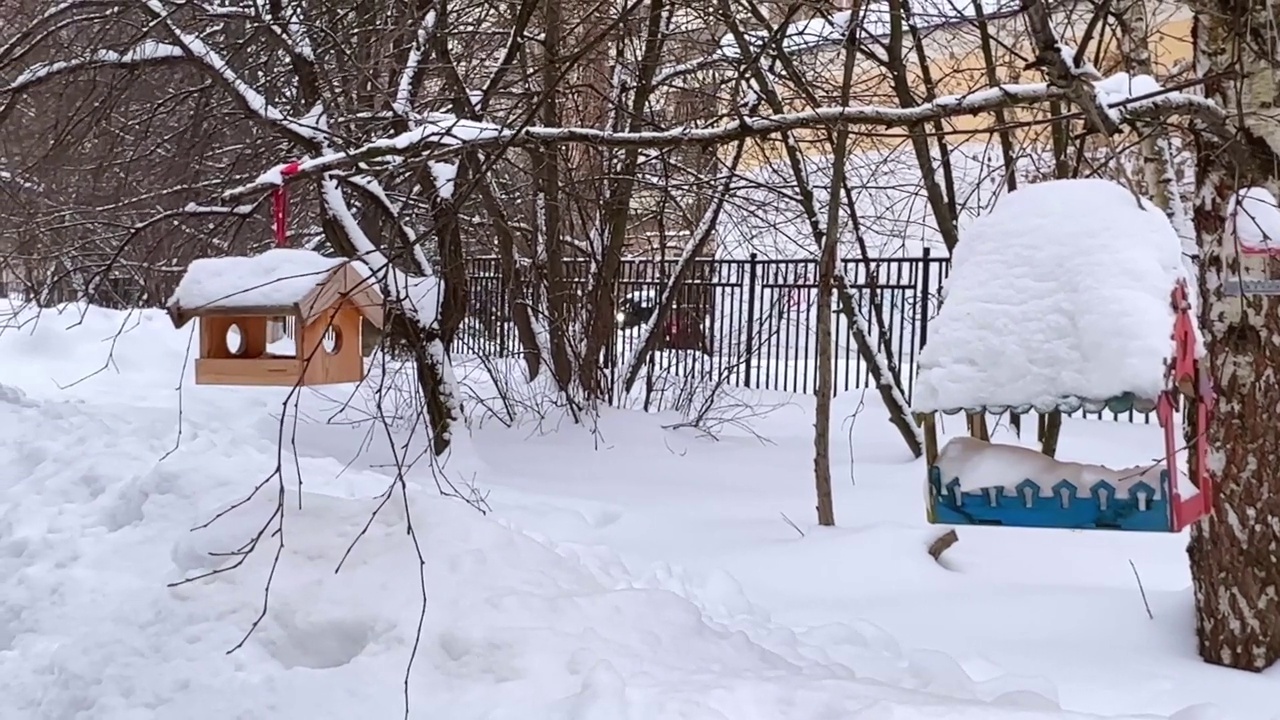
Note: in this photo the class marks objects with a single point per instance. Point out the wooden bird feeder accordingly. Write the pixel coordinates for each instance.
(242, 303)
(1066, 296)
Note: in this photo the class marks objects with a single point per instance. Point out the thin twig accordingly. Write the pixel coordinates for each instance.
(1142, 590)
(788, 521)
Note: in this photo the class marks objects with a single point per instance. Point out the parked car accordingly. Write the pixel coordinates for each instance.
(681, 331)
(635, 308)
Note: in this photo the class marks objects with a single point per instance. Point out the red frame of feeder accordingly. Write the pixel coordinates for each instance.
(1186, 379)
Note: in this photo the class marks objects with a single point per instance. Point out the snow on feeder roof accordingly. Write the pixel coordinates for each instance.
(1058, 298)
(281, 281)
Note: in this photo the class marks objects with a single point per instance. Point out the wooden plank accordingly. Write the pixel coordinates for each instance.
(325, 295)
(186, 314)
(928, 424)
(271, 371)
(344, 284)
(369, 302)
(346, 363)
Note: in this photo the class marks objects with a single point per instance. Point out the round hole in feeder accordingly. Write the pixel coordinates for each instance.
(332, 340)
(235, 340)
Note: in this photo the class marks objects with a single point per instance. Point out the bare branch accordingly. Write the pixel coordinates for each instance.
(446, 136)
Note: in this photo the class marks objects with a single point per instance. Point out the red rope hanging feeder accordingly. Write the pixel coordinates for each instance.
(280, 204)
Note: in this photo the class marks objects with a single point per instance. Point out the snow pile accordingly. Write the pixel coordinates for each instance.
(516, 626)
(14, 396)
(1122, 87)
(1254, 216)
(444, 174)
(1061, 291)
(977, 464)
(279, 277)
(1079, 66)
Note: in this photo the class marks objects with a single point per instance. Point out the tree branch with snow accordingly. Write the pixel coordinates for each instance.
(443, 136)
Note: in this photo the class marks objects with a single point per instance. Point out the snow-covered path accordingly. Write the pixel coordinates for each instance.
(608, 583)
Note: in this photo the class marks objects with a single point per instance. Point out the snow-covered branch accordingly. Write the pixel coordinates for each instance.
(441, 136)
(244, 210)
(146, 52)
(410, 76)
(248, 96)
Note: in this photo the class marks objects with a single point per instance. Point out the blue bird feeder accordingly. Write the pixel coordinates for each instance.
(1055, 304)
(1145, 509)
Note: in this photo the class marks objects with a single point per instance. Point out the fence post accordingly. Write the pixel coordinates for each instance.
(923, 303)
(751, 321)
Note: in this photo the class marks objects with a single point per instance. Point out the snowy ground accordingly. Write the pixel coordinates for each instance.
(636, 572)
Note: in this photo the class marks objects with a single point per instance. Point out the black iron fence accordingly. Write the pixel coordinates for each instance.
(747, 322)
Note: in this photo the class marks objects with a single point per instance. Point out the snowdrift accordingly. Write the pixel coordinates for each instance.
(102, 481)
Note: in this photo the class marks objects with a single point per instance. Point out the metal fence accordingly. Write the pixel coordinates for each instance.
(750, 322)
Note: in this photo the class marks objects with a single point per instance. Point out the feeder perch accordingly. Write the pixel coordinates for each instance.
(244, 306)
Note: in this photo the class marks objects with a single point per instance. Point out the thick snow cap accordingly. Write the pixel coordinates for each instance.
(282, 280)
(277, 277)
(1060, 294)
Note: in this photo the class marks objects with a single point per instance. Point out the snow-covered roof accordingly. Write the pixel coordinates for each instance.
(278, 281)
(872, 20)
(1060, 294)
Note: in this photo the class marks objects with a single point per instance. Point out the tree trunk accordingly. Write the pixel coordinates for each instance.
(1159, 180)
(700, 238)
(828, 251)
(1050, 424)
(1005, 135)
(601, 305)
(1052, 431)
(902, 87)
(550, 212)
(1235, 568)
(825, 373)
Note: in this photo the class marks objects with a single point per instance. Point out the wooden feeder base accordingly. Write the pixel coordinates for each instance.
(312, 364)
(275, 371)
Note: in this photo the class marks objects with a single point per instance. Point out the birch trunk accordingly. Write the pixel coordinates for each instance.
(1158, 177)
(1235, 567)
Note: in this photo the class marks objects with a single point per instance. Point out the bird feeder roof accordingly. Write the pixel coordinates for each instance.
(1059, 298)
(279, 282)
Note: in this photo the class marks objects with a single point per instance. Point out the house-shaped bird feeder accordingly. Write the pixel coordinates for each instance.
(1068, 295)
(242, 302)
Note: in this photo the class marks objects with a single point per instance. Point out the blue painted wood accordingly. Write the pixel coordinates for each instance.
(1064, 493)
(1103, 493)
(1027, 492)
(1141, 511)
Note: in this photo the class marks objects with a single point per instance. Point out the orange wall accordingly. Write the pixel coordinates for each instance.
(957, 67)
